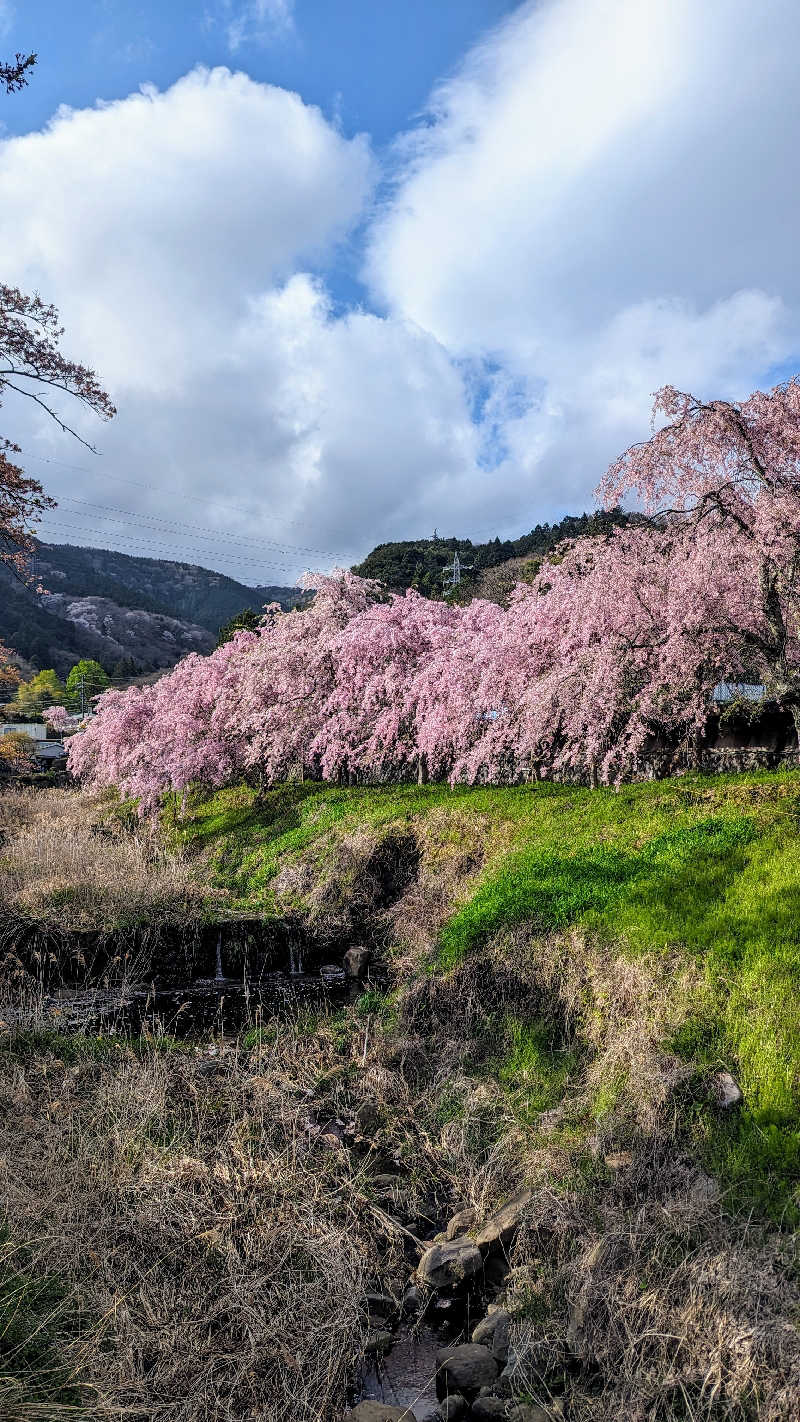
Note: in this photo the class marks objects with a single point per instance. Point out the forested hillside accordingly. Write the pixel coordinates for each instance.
(181, 590)
(143, 612)
(422, 563)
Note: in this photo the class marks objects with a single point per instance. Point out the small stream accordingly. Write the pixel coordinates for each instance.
(215, 980)
(406, 1375)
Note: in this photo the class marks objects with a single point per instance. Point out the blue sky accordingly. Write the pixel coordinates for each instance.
(354, 269)
(370, 64)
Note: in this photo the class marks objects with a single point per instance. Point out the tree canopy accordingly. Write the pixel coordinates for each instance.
(603, 664)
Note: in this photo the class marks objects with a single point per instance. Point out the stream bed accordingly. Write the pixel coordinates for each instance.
(220, 1004)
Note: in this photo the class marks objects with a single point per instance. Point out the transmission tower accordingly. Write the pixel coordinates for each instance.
(452, 575)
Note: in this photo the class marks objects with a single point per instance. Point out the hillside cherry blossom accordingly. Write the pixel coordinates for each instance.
(602, 666)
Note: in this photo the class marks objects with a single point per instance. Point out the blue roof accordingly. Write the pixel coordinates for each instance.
(739, 691)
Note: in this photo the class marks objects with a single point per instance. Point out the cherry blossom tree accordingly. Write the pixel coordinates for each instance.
(604, 664)
(723, 480)
(9, 675)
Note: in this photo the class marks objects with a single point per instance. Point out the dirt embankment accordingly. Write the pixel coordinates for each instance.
(257, 1226)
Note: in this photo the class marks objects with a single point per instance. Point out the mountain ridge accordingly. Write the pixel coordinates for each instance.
(120, 608)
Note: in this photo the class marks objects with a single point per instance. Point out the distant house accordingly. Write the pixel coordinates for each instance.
(50, 750)
(37, 730)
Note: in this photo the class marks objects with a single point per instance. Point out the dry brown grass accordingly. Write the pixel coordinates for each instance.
(636, 1293)
(217, 1244)
(67, 863)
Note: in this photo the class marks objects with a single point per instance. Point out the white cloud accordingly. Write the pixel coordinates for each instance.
(258, 21)
(169, 229)
(601, 203)
(7, 16)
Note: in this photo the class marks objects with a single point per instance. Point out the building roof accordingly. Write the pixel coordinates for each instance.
(739, 691)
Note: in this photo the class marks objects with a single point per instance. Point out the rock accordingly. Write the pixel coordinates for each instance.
(453, 1408)
(528, 1412)
(378, 1342)
(460, 1223)
(411, 1300)
(727, 1090)
(379, 1307)
(503, 1225)
(492, 1331)
(378, 1412)
(449, 1263)
(465, 1369)
(486, 1409)
(356, 962)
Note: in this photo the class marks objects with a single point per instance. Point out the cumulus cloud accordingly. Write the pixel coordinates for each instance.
(171, 229)
(599, 203)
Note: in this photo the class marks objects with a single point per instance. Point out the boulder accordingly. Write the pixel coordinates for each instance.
(727, 1089)
(378, 1342)
(487, 1409)
(453, 1408)
(501, 1228)
(492, 1332)
(449, 1263)
(465, 1368)
(460, 1223)
(528, 1412)
(378, 1412)
(356, 962)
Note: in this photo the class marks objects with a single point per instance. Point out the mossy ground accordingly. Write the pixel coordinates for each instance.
(706, 870)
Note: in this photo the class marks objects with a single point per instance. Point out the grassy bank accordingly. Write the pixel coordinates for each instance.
(701, 873)
(561, 978)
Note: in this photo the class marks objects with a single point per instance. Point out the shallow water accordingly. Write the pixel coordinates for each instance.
(406, 1375)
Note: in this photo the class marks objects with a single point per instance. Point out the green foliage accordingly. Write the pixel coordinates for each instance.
(248, 620)
(85, 680)
(534, 1068)
(704, 870)
(36, 1319)
(75, 1047)
(43, 690)
(421, 563)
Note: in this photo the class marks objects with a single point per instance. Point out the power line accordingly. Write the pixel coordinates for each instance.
(166, 547)
(197, 528)
(160, 489)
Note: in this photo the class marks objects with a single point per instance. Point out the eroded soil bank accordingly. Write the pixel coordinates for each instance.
(539, 1162)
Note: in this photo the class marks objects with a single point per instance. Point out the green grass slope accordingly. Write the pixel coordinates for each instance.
(701, 873)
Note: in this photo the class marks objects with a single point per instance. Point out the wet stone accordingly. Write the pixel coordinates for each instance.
(356, 962)
(486, 1409)
(465, 1369)
(492, 1332)
(377, 1342)
(453, 1408)
(501, 1228)
(449, 1263)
